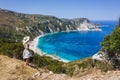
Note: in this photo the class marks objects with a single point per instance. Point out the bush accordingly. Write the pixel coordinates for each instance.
(11, 48)
(49, 63)
(111, 45)
(70, 70)
(103, 66)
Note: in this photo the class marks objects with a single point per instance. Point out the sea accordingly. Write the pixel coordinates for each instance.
(75, 45)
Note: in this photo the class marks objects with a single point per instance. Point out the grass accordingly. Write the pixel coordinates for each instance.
(86, 66)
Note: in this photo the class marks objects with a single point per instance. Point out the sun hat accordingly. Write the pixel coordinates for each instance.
(25, 39)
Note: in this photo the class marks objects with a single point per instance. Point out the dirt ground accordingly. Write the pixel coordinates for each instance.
(13, 69)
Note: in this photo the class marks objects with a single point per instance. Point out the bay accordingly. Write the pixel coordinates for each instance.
(75, 45)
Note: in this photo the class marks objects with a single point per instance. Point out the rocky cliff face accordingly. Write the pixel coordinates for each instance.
(16, 25)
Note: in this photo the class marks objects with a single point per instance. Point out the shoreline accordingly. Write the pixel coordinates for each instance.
(34, 43)
(33, 47)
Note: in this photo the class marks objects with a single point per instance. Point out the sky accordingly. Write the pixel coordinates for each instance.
(91, 9)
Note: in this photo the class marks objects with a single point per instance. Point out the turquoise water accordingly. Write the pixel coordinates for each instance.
(76, 45)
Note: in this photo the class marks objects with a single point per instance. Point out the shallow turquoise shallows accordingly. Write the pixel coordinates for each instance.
(71, 46)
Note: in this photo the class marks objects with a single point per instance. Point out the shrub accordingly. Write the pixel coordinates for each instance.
(11, 48)
(49, 63)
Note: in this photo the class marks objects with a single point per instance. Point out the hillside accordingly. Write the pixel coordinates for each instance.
(13, 69)
(16, 25)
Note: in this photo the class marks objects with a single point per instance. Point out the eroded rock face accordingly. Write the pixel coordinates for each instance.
(13, 24)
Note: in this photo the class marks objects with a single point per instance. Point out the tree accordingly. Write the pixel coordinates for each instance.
(111, 43)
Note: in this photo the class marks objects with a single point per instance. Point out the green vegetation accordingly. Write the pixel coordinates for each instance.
(111, 45)
(15, 50)
(111, 42)
(85, 66)
(11, 48)
(49, 63)
(15, 25)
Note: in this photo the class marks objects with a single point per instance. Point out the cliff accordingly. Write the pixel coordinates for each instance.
(16, 25)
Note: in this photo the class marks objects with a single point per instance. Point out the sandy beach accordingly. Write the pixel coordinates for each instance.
(33, 47)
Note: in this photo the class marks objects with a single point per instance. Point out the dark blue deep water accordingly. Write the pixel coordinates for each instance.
(71, 46)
